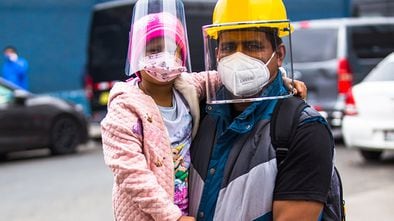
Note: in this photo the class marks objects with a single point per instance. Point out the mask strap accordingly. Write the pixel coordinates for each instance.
(270, 58)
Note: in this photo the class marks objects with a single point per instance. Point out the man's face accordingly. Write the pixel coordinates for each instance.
(8, 52)
(252, 43)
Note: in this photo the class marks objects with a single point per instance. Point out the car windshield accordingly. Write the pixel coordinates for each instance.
(372, 41)
(312, 45)
(382, 72)
(5, 94)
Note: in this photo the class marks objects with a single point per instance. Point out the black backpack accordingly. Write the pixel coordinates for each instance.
(284, 124)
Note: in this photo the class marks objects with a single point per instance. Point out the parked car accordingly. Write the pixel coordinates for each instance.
(369, 121)
(330, 55)
(30, 121)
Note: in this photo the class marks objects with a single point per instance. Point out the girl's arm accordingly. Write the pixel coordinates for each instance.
(198, 80)
(124, 155)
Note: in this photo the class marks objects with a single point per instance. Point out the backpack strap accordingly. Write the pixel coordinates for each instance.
(284, 122)
(343, 208)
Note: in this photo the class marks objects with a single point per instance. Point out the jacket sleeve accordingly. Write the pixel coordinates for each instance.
(23, 65)
(199, 79)
(123, 153)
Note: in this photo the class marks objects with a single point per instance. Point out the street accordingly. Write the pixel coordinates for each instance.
(38, 187)
(368, 187)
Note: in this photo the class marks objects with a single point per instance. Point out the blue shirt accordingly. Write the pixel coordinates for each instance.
(16, 72)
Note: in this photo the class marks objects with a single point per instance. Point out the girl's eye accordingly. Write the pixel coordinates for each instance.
(153, 50)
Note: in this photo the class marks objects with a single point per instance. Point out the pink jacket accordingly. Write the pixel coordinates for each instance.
(137, 149)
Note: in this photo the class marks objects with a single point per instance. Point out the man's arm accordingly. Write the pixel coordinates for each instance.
(304, 177)
(290, 210)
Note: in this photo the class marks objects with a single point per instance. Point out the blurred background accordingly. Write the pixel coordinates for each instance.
(76, 50)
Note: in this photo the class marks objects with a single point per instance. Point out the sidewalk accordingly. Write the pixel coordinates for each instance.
(372, 205)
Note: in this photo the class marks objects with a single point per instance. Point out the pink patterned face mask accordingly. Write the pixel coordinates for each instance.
(162, 66)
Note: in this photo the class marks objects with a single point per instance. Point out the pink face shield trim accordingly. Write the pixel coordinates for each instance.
(154, 26)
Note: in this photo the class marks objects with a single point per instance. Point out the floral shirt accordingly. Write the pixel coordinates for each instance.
(178, 122)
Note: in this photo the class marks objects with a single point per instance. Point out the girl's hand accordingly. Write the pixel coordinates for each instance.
(186, 218)
(299, 90)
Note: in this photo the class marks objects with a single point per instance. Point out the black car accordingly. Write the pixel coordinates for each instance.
(29, 121)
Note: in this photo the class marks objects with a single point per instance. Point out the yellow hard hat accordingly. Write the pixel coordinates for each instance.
(236, 14)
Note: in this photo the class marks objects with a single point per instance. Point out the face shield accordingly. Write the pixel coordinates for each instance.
(248, 58)
(158, 37)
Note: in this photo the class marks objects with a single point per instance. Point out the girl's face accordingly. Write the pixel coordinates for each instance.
(157, 46)
(162, 44)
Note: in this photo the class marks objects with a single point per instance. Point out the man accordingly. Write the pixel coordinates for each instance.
(234, 173)
(15, 67)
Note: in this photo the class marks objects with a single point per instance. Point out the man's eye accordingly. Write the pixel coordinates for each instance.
(254, 46)
(227, 48)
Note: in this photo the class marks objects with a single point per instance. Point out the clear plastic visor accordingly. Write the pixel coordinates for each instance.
(158, 30)
(243, 60)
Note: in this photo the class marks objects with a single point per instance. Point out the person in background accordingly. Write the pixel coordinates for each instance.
(15, 67)
(234, 174)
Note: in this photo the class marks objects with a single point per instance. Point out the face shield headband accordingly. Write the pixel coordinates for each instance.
(249, 86)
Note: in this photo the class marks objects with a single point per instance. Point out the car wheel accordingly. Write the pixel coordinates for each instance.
(65, 136)
(3, 156)
(371, 155)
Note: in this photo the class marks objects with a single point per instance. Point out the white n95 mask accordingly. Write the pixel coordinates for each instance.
(243, 75)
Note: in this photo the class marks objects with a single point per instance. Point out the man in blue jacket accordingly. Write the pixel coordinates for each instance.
(235, 174)
(15, 67)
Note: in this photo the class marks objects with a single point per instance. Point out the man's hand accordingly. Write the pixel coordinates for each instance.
(186, 218)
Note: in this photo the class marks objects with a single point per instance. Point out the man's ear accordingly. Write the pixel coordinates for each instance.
(216, 53)
(281, 54)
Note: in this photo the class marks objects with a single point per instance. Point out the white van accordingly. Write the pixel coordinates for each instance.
(331, 55)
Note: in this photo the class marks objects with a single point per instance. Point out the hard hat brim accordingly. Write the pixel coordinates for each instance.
(284, 27)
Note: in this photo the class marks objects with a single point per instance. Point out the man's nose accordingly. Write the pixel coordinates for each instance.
(239, 48)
